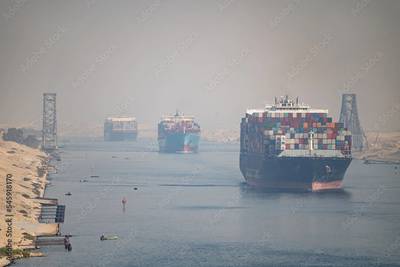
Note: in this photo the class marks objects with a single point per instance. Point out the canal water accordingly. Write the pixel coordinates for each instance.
(196, 210)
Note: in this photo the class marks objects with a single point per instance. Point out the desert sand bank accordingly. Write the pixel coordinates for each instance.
(28, 169)
(383, 146)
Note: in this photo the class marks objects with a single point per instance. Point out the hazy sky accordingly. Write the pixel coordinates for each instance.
(212, 59)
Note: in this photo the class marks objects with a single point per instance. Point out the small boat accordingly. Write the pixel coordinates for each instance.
(108, 237)
(68, 194)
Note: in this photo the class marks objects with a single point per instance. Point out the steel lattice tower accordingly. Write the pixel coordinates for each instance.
(349, 116)
(49, 131)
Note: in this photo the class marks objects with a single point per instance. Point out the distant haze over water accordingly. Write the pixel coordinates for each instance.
(211, 59)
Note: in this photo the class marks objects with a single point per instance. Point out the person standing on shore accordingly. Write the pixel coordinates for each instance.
(66, 242)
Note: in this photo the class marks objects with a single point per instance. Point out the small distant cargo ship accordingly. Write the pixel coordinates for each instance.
(289, 146)
(120, 129)
(178, 134)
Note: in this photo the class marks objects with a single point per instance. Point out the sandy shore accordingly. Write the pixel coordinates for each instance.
(28, 167)
(381, 146)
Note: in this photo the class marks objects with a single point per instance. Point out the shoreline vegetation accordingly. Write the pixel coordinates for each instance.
(29, 169)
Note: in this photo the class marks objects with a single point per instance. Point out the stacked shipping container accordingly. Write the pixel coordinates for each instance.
(272, 131)
(179, 124)
(120, 128)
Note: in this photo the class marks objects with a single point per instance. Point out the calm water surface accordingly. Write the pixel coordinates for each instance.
(195, 210)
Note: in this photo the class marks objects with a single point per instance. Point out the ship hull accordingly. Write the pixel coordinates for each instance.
(120, 136)
(179, 143)
(294, 173)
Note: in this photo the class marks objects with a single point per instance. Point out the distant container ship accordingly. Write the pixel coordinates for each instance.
(120, 129)
(290, 146)
(178, 134)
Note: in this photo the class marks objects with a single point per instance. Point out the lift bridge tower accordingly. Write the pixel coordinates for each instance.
(349, 116)
(49, 131)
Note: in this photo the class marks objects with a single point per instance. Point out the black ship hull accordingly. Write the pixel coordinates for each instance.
(179, 143)
(120, 136)
(294, 173)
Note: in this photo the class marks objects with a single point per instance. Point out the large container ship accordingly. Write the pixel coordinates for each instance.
(120, 129)
(178, 134)
(290, 146)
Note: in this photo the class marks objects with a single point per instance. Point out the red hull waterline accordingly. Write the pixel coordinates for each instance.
(322, 186)
(315, 186)
(186, 150)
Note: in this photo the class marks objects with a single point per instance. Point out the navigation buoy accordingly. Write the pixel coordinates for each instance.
(123, 203)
